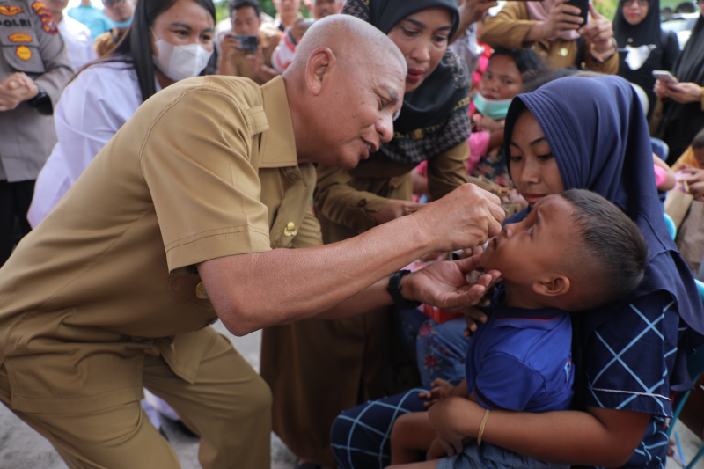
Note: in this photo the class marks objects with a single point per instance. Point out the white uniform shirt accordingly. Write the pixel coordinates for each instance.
(91, 110)
(79, 43)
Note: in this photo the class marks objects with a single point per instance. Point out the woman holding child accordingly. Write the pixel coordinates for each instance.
(629, 356)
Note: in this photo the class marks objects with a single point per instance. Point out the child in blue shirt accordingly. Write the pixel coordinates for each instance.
(572, 252)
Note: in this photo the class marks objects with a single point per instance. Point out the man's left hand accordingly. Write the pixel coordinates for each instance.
(444, 284)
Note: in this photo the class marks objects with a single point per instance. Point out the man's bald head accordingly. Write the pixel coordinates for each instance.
(344, 87)
(352, 41)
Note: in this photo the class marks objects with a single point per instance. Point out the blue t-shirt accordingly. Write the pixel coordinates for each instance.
(521, 360)
(93, 18)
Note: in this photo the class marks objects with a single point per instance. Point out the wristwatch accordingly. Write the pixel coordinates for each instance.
(394, 289)
(41, 100)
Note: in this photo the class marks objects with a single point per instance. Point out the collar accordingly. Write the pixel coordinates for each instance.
(278, 143)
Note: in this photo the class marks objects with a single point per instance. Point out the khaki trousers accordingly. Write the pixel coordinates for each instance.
(229, 406)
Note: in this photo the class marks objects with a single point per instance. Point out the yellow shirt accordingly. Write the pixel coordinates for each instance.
(109, 275)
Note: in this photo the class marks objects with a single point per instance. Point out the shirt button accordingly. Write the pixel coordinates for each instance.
(564, 52)
(200, 291)
(290, 229)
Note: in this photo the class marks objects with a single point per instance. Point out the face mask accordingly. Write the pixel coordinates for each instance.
(122, 24)
(179, 62)
(492, 108)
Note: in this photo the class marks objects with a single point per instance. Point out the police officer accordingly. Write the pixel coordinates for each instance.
(34, 69)
(171, 227)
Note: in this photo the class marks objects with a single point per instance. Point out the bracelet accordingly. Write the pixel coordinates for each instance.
(394, 289)
(482, 426)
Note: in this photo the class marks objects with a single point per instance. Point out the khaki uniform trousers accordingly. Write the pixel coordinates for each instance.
(228, 405)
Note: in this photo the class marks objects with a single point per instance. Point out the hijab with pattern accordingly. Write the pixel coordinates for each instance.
(440, 95)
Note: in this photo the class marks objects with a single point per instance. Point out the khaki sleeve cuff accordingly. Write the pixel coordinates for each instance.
(215, 244)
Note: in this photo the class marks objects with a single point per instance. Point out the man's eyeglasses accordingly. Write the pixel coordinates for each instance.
(109, 3)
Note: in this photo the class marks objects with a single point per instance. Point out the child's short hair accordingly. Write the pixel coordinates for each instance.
(698, 140)
(612, 239)
(527, 61)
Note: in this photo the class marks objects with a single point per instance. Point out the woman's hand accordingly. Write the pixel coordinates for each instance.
(444, 284)
(453, 420)
(437, 450)
(394, 209)
(694, 184)
(682, 93)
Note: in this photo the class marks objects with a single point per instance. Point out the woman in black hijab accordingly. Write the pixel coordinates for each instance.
(643, 45)
(683, 114)
(316, 368)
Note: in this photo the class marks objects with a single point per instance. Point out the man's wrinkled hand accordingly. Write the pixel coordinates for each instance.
(464, 218)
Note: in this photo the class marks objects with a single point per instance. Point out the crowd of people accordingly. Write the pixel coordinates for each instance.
(471, 233)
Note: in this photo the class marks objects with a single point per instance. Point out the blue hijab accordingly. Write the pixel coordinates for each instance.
(599, 137)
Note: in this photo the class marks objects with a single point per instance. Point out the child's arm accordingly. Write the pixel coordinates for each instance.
(599, 437)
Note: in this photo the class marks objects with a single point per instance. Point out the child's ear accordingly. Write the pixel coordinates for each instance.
(552, 285)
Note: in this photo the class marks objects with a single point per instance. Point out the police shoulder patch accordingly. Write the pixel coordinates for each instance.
(46, 18)
(10, 10)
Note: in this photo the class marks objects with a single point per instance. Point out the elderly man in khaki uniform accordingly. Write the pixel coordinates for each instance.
(34, 68)
(169, 229)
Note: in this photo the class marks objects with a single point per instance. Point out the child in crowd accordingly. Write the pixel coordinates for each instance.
(686, 213)
(572, 252)
(508, 70)
(285, 51)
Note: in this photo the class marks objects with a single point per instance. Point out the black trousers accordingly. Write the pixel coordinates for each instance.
(15, 198)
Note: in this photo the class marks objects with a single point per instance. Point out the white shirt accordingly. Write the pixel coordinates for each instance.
(79, 43)
(91, 110)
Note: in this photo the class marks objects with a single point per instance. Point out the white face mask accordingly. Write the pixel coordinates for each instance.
(179, 62)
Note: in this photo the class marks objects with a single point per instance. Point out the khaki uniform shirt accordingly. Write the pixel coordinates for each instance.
(510, 27)
(109, 275)
(30, 42)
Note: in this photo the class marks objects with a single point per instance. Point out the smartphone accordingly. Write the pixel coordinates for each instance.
(664, 75)
(583, 6)
(247, 44)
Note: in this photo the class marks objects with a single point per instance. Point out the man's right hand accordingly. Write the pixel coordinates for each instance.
(464, 218)
(562, 17)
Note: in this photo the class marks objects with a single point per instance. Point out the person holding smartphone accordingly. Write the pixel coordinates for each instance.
(683, 96)
(247, 50)
(565, 33)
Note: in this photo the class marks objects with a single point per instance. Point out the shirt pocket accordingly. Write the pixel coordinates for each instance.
(20, 49)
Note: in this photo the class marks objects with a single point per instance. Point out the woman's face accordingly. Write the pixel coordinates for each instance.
(635, 11)
(502, 79)
(532, 165)
(184, 23)
(423, 38)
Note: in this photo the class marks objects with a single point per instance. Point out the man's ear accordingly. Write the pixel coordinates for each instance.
(319, 65)
(552, 285)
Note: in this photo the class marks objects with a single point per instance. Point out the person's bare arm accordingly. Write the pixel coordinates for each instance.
(599, 437)
(471, 12)
(251, 291)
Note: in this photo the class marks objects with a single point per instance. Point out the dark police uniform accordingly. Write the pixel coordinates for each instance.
(30, 44)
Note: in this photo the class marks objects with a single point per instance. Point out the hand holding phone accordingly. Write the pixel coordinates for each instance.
(665, 76)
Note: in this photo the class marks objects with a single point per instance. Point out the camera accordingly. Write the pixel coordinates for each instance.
(247, 44)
